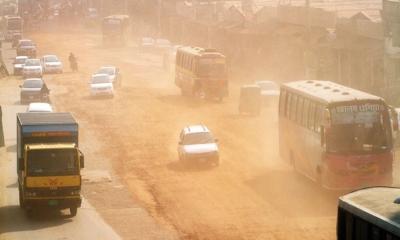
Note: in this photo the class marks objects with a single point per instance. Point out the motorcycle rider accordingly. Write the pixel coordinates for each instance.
(73, 62)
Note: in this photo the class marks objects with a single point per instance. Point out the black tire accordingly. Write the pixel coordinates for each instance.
(73, 211)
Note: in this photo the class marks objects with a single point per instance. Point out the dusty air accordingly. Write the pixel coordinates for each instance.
(199, 119)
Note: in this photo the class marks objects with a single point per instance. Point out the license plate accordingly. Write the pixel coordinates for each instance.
(53, 202)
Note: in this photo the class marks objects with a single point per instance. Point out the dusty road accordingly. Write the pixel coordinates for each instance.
(14, 224)
(251, 195)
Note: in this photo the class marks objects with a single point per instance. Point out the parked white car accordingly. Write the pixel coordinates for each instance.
(39, 107)
(51, 64)
(19, 63)
(197, 145)
(101, 85)
(32, 68)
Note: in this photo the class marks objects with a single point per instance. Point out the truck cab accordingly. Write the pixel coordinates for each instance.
(49, 162)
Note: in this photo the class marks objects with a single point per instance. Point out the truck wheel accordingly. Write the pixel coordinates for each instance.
(73, 211)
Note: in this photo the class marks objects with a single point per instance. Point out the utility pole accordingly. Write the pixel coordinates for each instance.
(308, 38)
(159, 17)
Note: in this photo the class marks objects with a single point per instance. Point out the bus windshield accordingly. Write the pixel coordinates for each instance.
(211, 67)
(52, 162)
(359, 128)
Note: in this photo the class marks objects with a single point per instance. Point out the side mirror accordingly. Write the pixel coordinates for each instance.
(180, 142)
(20, 86)
(81, 159)
(216, 140)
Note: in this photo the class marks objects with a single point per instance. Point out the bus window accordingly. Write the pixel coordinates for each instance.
(305, 112)
(293, 108)
(318, 118)
(311, 116)
(282, 102)
(299, 110)
(288, 102)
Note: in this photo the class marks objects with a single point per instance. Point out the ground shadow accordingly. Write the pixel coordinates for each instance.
(12, 148)
(14, 219)
(13, 185)
(179, 166)
(294, 194)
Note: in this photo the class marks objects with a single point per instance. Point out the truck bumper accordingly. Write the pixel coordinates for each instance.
(55, 203)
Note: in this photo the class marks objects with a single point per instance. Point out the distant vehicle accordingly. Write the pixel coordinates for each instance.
(49, 162)
(51, 64)
(269, 91)
(101, 85)
(201, 72)
(370, 213)
(338, 136)
(19, 63)
(26, 47)
(198, 146)
(39, 107)
(114, 29)
(34, 90)
(32, 68)
(11, 25)
(113, 73)
(250, 99)
(91, 17)
(163, 44)
(147, 43)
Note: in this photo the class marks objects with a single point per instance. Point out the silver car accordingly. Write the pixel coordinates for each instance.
(32, 68)
(51, 64)
(198, 146)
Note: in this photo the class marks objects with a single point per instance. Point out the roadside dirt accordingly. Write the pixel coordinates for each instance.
(251, 195)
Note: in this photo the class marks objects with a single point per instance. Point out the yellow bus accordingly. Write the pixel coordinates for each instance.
(201, 72)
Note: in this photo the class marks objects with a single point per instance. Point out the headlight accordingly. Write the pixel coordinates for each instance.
(30, 194)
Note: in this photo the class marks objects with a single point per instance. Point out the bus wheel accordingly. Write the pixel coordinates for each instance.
(73, 211)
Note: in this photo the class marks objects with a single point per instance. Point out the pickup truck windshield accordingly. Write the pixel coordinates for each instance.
(52, 162)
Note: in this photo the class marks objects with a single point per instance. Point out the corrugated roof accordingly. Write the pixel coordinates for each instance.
(343, 8)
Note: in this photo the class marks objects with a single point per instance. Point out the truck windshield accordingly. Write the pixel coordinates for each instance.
(52, 162)
(359, 128)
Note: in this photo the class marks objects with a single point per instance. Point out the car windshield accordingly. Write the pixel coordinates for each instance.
(198, 138)
(211, 67)
(20, 60)
(108, 71)
(267, 85)
(32, 62)
(32, 84)
(54, 162)
(26, 43)
(51, 59)
(359, 128)
(101, 79)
